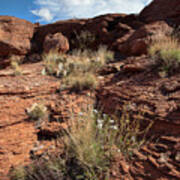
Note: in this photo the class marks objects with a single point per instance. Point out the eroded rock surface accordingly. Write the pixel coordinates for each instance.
(158, 10)
(139, 88)
(133, 82)
(15, 36)
(21, 139)
(56, 42)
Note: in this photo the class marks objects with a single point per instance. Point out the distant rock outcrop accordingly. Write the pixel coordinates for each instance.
(15, 36)
(107, 29)
(168, 10)
(65, 27)
(126, 34)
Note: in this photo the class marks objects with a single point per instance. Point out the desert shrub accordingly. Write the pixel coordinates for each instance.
(93, 59)
(90, 142)
(93, 138)
(18, 173)
(104, 54)
(79, 69)
(81, 81)
(55, 64)
(176, 33)
(15, 62)
(36, 111)
(83, 41)
(61, 65)
(165, 50)
(40, 170)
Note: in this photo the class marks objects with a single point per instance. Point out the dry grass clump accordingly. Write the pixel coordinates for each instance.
(83, 40)
(55, 64)
(40, 170)
(78, 70)
(165, 50)
(36, 111)
(15, 62)
(176, 33)
(91, 140)
(92, 60)
(104, 54)
(85, 143)
(81, 81)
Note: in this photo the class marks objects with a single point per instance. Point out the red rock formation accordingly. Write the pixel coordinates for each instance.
(56, 41)
(65, 27)
(138, 42)
(168, 10)
(133, 81)
(128, 34)
(15, 36)
(106, 29)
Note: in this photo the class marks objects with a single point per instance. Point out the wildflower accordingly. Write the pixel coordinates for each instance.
(114, 127)
(95, 111)
(80, 113)
(99, 123)
(111, 121)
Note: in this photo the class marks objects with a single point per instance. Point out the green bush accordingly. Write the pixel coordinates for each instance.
(166, 53)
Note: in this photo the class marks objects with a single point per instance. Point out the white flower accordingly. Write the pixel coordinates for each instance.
(133, 138)
(100, 125)
(99, 121)
(60, 66)
(98, 58)
(111, 121)
(114, 127)
(104, 115)
(95, 111)
(81, 113)
(43, 72)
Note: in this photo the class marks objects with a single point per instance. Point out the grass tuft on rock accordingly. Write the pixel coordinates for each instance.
(165, 51)
(91, 141)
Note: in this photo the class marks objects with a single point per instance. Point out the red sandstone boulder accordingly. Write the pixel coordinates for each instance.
(138, 42)
(168, 10)
(66, 27)
(15, 36)
(56, 42)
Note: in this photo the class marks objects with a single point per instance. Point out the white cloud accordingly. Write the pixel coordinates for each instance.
(51, 10)
(44, 14)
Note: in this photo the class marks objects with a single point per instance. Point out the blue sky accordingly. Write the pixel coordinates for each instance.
(47, 11)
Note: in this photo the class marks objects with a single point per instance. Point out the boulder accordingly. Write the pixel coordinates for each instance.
(168, 10)
(138, 42)
(66, 27)
(57, 42)
(15, 36)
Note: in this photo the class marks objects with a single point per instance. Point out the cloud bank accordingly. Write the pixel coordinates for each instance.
(52, 10)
